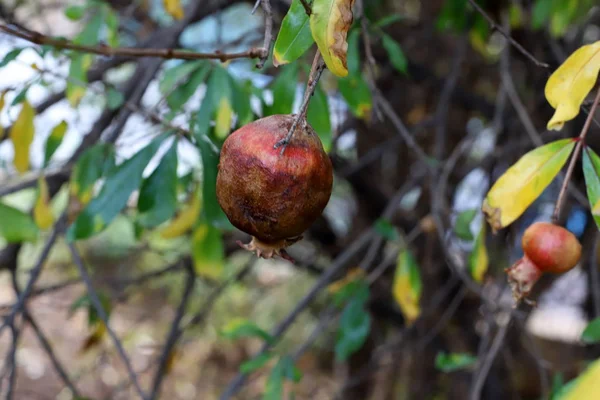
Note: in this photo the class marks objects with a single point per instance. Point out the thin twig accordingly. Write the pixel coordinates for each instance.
(313, 79)
(340, 262)
(307, 7)
(574, 157)
(12, 377)
(173, 334)
(104, 50)
(486, 365)
(97, 304)
(516, 44)
(266, 6)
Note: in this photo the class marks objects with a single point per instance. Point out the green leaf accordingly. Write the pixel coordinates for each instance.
(388, 20)
(257, 362)
(395, 53)
(241, 101)
(355, 324)
(454, 361)
(591, 333)
(290, 371)
(84, 301)
(274, 386)
(591, 173)
(453, 16)
(75, 13)
(384, 228)
(356, 92)
(157, 200)
(408, 286)
(21, 96)
(178, 97)
(11, 56)
(478, 259)
(90, 166)
(208, 252)
(284, 91)
(112, 25)
(54, 141)
(462, 227)
(318, 117)
(356, 289)
(540, 13)
(176, 75)
(120, 183)
(114, 98)
(90, 35)
(16, 226)
(80, 63)
(354, 67)
(238, 328)
(294, 37)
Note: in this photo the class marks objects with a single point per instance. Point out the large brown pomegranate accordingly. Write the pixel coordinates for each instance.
(272, 196)
(548, 248)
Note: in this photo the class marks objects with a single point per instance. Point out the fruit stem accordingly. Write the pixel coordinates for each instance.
(580, 142)
(313, 78)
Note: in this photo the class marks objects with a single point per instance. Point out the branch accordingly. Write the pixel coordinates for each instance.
(97, 304)
(266, 6)
(516, 44)
(104, 50)
(174, 332)
(313, 78)
(574, 158)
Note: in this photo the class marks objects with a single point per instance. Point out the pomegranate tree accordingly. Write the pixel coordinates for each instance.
(548, 248)
(274, 197)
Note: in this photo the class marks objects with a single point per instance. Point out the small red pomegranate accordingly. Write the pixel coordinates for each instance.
(272, 196)
(548, 248)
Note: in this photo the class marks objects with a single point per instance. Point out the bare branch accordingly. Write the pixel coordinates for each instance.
(266, 6)
(97, 304)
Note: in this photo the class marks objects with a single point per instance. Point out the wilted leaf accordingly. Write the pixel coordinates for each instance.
(329, 23)
(54, 140)
(94, 339)
(174, 8)
(462, 227)
(478, 259)
(294, 36)
(454, 361)
(42, 212)
(120, 183)
(524, 182)
(318, 117)
(21, 135)
(255, 363)
(408, 286)
(208, 252)
(570, 84)
(591, 333)
(591, 173)
(585, 386)
(395, 53)
(157, 200)
(355, 324)
(186, 219)
(238, 328)
(16, 226)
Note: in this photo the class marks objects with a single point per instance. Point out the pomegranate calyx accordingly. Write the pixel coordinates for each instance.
(522, 276)
(270, 250)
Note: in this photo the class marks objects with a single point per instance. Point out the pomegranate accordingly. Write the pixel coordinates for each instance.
(273, 197)
(548, 248)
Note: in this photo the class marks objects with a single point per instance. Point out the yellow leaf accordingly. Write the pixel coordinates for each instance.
(329, 23)
(352, 275)
(570, 84)
(2, 102)
(523, 182)
(407, 286)
(185, 220)
(587, 385)
(478, 260)
(21, 135)
(208, 252)
(174, 8)
(223, 118)
(596, 209)
(42, 212)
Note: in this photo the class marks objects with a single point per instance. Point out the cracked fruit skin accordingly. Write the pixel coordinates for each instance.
(272, 196)
(548, 248)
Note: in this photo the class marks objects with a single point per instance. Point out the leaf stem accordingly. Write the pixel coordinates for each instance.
(316, 70)
(576, 152)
